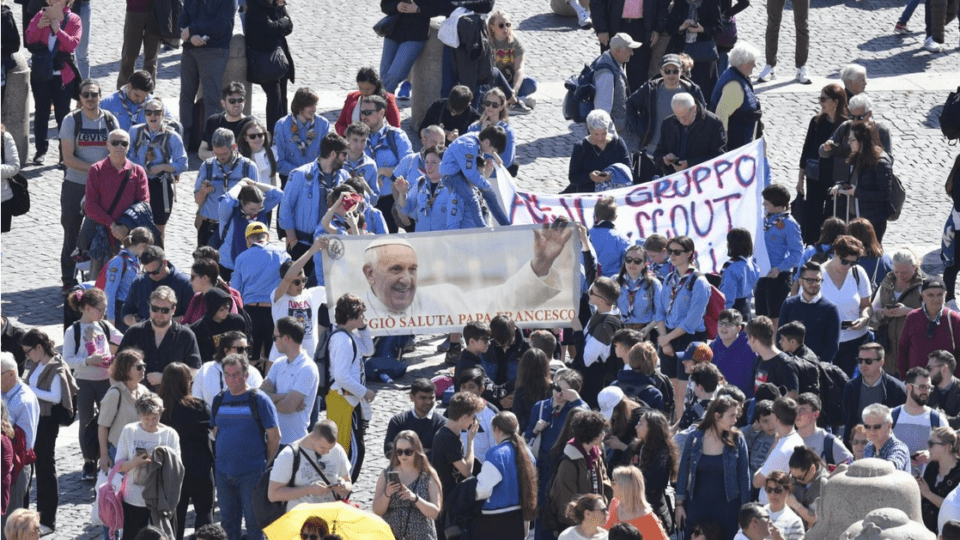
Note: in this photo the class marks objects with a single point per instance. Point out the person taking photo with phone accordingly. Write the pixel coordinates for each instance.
(408, 491)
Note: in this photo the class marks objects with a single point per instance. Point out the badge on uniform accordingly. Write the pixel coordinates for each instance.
(469, 161)
(780, 224)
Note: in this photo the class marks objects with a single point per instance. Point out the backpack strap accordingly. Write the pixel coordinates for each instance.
(934, 419)
(120, 190)
(828, 444)
(895, 413)
(77, 123)
(76, 337)
(326, 480)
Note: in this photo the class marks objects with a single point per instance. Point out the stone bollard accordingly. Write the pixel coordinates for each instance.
(236, 71)
(16, 106)
(889, 524)
(425, 75)
(562, 8)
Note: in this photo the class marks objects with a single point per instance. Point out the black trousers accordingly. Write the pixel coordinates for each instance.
(134, 519)
(199, 489)
(276, 92)
(206, 230)
(262, 318)
(44, 94)
(48, 488)
(385, 206)
(357, 443)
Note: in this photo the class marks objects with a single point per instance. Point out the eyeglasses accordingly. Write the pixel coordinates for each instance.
(631, 260)
(847, 262)
(812, 279)
(140, 367)
(671, 72)
(873, 427)
(931, 444)
(90, 95)
(492, 104)
(922, 387)
(677, 252)
(253, 136)
(556, 388)
(119, 143)
(158, 309)
(28, 350)
(406, 452)
(235, 100)
(859, 116)
(778, 490)
(241, 349)
(152, 112)
(867, 361)
(305, 536)
(859, 442)
(298, 282)
(367, 112)
(504, 25)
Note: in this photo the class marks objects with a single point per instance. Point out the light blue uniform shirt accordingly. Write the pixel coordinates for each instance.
(305, 199)
(784, 243)
(257, 272)
(168, 148)
(289, 154)
(366, 168)
(681, 307)
(121, 271)
(213, 170)
(387, 147)
(24, 409)
(227, 203)
(444, 212)
(645, 306)
(739, 280)
(461, 174)
(115, 103)
(610, 245)
(510, 152)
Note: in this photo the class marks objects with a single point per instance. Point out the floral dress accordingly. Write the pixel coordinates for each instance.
(405, 520)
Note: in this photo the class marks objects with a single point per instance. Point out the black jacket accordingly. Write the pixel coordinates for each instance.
(948, 402)
(412, 26)
(438, 114)
(269, 25)
(607, 14)
(10, 342)
(873, 189)
(892, 394)
(708, 15)
(472, 61)
(11, 36)
(163, 18)
(705, 140)
(642, 106)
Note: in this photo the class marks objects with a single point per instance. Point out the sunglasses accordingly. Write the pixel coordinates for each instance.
(859, 116)
(276, 337)
(158, 309)
(504, 25)
(671, 72)
(492, 104)
(140, 367)
(298, 282)
(235, 100)
(873, 427)
(155, 272)
(859, 442)
(778, 490)
(406, 452)
(631, 260)
(241, 349)
(677, 252)
(556, 388)
(305, 536)
(152, 112)
(931, 444)
(120, 143)
(367, 112)
(90, 95)
(847, 262)
(867, 361)
(812, 279)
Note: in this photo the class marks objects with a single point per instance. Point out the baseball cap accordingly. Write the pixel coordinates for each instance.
(932, 283)
(697, 351)
(608, 399)
(256, 227)
(623, 39)
(670, 59)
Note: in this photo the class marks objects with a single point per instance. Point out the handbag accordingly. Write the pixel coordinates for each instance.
(728, 38)
(386, 26)
(702, 51)
(102, 480)
(266, 66)
(811, 168)
(535, 443)
(110, 501)
(19, 204)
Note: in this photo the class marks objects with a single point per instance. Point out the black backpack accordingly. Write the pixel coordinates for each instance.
(322, 358)
(832, 381)
(578, 102)
(266, 511)
(809, 375)
(950, 116)
(76, 333)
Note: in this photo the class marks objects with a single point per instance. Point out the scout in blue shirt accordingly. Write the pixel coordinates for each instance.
(217, 175)
(127, 103)
(386, 145)
(257, 271)
(358, 164)
(298, 134)
(245, 202)
(639, 291)
(428, 201)
(740, 274)
(157, 147)
(466, 166)
(122, 270)
(656, 246)
(781, 235)
(609, 243)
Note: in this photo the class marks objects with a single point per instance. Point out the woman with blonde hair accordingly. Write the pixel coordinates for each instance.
(493, 112)
(408, 494)
(629, 504)
(508, 482)
(22, 524)
(508, 56)
(941, 475)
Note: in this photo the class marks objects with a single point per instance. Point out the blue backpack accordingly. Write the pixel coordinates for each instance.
(578, 102)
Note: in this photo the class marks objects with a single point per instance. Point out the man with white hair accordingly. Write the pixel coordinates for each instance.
(854, 78)
(689, 137)
(801, 11)
(650, 105)
(861, 110)
(217, 175)
(610, 80)
(24, 410)
(883, 443)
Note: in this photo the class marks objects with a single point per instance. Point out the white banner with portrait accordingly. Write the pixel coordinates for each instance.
(432, 283)
(703, 202)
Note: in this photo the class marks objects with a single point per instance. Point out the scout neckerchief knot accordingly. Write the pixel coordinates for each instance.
(295, 129)
(774, 220)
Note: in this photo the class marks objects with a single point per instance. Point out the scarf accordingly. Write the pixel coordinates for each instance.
(311, 134)
(126, 103)
(234, 161)
(592, 457)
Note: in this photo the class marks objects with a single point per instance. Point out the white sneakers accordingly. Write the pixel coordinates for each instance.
(932, 46)
(769, 73)
(583, 17)
(802, 77)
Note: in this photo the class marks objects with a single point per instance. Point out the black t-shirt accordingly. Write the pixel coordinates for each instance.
(220, 121)
(779, 370)
(447, 449)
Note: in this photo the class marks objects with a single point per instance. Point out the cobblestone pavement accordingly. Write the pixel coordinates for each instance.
(908, 86)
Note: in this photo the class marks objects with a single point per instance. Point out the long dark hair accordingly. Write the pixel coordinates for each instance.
(620, 419)
(862, 230)
(507, 423)
(835, 92)
(658, 440)
(566, 433)
(175, 389)
(244, 147)
(870, 148)
(646, 274)
(533, 375)
(718, 407)
(370, 75)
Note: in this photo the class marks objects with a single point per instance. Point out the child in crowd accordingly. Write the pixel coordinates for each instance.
(731, 353)
(781, 235)
(740, 274)
(656, 246)
(122, 270)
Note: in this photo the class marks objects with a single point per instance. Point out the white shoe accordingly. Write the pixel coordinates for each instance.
(529, 101)
(583, 18)
(769, 73)
(932, 46)
(802, 77)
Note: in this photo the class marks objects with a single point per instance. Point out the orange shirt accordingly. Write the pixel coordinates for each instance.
(648, 525)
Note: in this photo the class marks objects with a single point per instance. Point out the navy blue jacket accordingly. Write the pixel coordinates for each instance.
(210, 18)
(138, 299)
(892, 394)
(636, 385)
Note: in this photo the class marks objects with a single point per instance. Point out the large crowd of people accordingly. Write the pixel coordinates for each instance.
(631, 422)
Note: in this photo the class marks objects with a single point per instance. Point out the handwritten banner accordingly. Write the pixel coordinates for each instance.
(703, 202)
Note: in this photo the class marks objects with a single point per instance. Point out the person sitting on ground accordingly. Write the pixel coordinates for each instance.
(507, 54)
(595, 155)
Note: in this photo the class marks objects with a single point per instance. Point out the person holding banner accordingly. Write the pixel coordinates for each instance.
(683, 302)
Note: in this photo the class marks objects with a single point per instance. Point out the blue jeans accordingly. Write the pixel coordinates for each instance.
(397, 60)
(235, 494)
(83, 62)
(214, 63)
(908, 11)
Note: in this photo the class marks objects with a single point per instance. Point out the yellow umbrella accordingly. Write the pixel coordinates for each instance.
(348, 521)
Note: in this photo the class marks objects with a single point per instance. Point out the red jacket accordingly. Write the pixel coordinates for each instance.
(393, 112)
(103, 180)
(68, 38)
(914, 345)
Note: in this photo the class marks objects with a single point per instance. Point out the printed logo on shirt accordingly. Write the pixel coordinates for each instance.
(93, 137)
(302, 312)
(762, 377)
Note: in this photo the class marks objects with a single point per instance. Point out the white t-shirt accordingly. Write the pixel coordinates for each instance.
(847, 298)
(573, 534)
(779, 458)
(132, 437)
(335, 464)
(304, 309)
(484, 439)
(950, 509)
(209, 381)
(300, 375)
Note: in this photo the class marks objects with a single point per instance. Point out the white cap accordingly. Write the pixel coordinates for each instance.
(608, 399)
